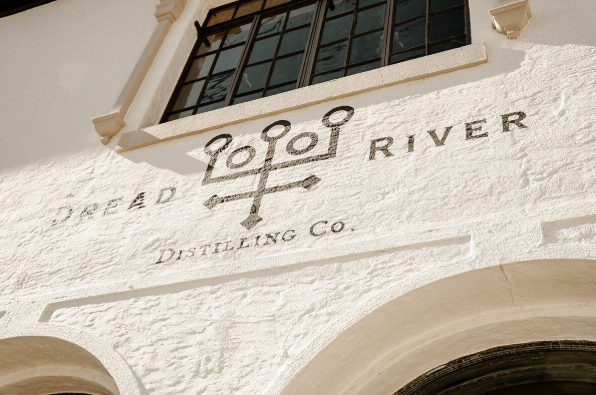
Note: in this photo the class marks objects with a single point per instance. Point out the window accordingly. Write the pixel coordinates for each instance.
(256, 48)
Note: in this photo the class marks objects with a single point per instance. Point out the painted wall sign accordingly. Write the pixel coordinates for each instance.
(88, 211)
(317, 229)
(220, 143)
(268, 165)
(379, 148)
(473, 131)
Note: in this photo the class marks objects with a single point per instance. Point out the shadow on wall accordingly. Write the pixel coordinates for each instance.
(174, 155)
(64, 63)
(561, 23)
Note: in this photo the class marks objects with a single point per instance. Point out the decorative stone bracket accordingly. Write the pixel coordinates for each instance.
(511, 19)
(109, 125)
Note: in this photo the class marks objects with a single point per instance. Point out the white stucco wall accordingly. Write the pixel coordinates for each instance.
(235, 322)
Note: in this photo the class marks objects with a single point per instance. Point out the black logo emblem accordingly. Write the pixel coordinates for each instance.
(268, 165)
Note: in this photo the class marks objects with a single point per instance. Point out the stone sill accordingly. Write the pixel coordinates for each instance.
(428, 66)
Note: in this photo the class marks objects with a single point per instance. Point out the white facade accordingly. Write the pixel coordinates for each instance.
(383, 270)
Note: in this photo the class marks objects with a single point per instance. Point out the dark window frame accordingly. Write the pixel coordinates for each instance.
(243, 62)
(11, 7)
(306, 72)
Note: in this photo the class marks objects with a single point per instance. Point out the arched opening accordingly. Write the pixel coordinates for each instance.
(538, 368)
(423, 330)
(43, 365)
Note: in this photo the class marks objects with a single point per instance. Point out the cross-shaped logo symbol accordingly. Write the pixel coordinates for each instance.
(268, 165)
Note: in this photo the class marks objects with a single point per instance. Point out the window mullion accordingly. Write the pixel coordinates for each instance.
(243, 59)
(310, 52)
(180, 82)
(388, 33)
(350, 39)
(276, 53)
(427, 30)
(467, 16)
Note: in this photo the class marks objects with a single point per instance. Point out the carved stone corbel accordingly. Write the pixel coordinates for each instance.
(109, 125)
(511, 19)
(169, 9)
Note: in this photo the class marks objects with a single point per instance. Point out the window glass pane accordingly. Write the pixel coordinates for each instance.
(366, 47)
(409, 35)
(200, 67)
(370, 19)
(214, 41)
(237, 34)
(331, 57)
(286, 69)
(341, 6)
(188, 96)
(337, 29)
(327, 77)
(301, 16)
(227, 59)
(364, 3)
(217, 87)
(364, 67)
(436, 5)
(293, 41)
(209, 107)
(263, 49)
(249, 7)
(280, 89)
(446, 46)
(254, 77)
(271, 24)
(180, 115)
(249, 97)
(408, 9)
(408, 55)
(273, 3)
(220, 16)
(447, 24)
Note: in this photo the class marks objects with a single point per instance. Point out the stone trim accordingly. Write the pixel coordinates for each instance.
(511, 19)
(109, 125)
(451, 374)
(428, 66)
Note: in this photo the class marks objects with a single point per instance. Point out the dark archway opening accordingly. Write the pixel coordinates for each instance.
(538, 368)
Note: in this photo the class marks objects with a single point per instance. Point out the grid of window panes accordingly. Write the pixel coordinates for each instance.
(276, 55)
(424, 27)
(210, 71)
(212, 66)
(256, 48)
(351, 40)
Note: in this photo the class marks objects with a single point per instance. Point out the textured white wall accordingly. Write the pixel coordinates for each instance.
(231, 322)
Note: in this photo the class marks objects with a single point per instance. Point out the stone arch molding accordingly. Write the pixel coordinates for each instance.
(449, 318)
(48, 359)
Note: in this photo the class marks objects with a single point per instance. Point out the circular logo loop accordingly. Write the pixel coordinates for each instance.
(286, 124)
(251, 155)
(208, 150)
(314, 139)
(348, 109)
